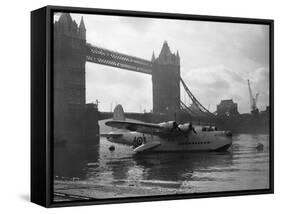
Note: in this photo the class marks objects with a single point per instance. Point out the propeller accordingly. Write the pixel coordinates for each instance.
(176, 126)
(192, 128)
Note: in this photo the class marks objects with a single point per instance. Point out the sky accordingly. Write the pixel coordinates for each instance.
(217, 59)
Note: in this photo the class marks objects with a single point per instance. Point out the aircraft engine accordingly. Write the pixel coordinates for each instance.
(172, 125)
(185, 127)
(169, 126)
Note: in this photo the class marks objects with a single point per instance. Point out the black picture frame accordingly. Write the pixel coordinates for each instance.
(42, 102)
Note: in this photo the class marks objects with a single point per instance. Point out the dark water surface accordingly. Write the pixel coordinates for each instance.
(243, 167)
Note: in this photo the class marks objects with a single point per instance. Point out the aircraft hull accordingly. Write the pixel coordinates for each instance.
(202, 141)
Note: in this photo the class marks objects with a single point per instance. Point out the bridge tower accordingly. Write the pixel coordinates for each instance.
(75, 122)
(69, 61)
(166, 82)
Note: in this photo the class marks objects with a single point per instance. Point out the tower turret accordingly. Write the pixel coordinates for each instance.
(166, 57)
(82, 29)
(153, 57)
(66, 25)
(65, 18)
(178, 58)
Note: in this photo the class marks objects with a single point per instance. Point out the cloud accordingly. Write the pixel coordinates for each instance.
(212, 84)
(140, 25)
(217, 59)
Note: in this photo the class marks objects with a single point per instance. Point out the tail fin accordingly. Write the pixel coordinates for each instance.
(118, 113)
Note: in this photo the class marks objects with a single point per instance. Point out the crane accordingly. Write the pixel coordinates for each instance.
(253, 100)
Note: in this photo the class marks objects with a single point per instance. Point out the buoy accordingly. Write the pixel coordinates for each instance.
(259, 147)
(111, 148)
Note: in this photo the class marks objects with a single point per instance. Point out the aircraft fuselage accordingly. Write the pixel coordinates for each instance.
(202, 141)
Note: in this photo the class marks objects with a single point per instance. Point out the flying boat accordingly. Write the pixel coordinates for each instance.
(166, 136)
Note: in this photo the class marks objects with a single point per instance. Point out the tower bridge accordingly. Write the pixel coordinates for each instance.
(71, 52)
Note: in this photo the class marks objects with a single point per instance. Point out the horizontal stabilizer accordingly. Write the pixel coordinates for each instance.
(147, 146)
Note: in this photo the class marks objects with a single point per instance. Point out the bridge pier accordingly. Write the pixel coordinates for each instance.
(75, 122)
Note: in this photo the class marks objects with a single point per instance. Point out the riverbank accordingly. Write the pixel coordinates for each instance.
(77, 190)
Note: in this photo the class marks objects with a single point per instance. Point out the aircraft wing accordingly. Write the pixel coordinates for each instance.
(165, 129)
(111, 135)
(146, 128)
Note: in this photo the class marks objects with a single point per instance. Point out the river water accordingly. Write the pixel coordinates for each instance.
(243, 167)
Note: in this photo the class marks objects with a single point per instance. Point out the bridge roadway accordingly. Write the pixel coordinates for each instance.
(111, 58)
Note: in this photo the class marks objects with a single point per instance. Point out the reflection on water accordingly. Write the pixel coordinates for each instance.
(243, 167)
(70, 161)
